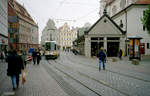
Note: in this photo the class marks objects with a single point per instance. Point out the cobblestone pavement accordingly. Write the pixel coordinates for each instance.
(76, 75)
(39, 83)
(117, 80)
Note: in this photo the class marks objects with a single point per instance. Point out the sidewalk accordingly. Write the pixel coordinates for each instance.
(143, 66)
(39, 83)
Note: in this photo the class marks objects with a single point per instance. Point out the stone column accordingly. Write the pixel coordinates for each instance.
(87, 46)
(105, 43)
(122, 44)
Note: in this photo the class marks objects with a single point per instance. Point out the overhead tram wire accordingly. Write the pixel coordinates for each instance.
(72, 20)
(60, 5)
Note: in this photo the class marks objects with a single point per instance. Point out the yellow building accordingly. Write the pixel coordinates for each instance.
(67, 36)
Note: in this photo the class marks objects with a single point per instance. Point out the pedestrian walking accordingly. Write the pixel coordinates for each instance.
(24, 57)
(34, 55)
(120, 54)
(15, 65)
(38, 56)
(2, 55)
(102, 57)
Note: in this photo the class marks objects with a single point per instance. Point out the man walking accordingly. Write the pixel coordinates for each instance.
(34, 55)
(15, 64)
(102, 57)
(38, 54)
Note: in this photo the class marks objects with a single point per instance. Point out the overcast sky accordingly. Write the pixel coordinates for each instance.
(76, 12)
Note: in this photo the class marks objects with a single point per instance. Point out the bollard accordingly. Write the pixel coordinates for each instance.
(114, 59)
(135, 62)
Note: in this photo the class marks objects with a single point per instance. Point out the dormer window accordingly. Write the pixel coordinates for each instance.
(121, 24)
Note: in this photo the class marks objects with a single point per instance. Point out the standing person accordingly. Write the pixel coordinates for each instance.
(38, 57)
(1, 55)
(105, 54)
(34, 55)
(102, 57)
(15, 64)
(24, 57)
(120, 54)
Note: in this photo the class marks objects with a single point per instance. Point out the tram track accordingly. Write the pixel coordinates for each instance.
(72, 92)
(129, 76)
(89, 77)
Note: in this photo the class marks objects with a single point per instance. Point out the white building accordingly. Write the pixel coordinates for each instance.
(127, 14)
(50, 32)
(3, 24)
(104, 33)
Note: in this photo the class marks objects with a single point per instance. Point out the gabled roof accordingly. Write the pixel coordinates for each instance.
(21, 12)
(105, 15)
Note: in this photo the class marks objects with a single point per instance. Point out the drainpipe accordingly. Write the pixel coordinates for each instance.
(126, 52)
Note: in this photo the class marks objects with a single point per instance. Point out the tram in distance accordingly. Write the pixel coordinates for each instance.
(51, 50)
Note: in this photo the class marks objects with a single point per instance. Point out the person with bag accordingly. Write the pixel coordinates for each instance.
(102, 58)
(15, 65)
(34, 55)
(38, 57)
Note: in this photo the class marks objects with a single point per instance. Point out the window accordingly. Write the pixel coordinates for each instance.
(148, 45)
(143, 25)
(121, 24)
(143, 28)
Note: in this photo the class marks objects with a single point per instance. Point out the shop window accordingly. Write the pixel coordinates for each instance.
(113, 38)
(101, 38)
(94, 38)
(148, 45)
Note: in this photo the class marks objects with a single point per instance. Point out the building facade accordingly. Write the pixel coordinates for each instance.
(114, 6)
(104, 33)
(3, 25)
(23, 31)
(67, 36)
(124, 13)
(79, 43)
(50, 33)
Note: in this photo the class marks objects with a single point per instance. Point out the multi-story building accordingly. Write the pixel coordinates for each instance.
(79, 42)
(114, 6)
(127, 14)
(50, 33)
(23, 31)
(3, 25)
(67, 36)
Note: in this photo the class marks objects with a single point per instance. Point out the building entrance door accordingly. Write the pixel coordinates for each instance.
(95, 48)
(112, 49)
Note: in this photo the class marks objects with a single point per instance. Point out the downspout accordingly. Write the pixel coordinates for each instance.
(126, 43)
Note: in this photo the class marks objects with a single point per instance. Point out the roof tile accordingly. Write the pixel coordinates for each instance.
(142, 2)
